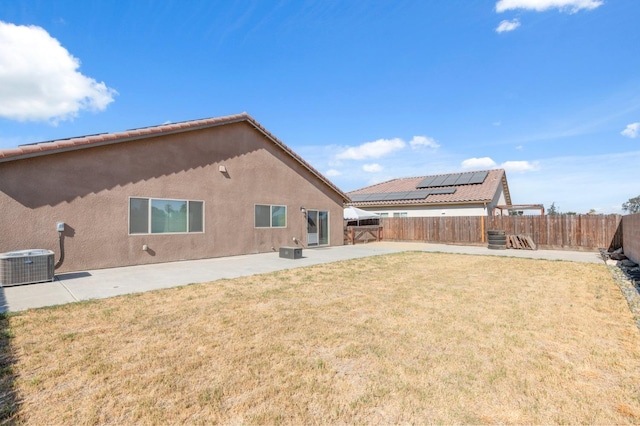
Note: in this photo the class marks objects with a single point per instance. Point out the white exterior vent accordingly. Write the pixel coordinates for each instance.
(26, 267)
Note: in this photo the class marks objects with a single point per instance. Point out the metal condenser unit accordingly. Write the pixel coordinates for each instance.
(26, 267)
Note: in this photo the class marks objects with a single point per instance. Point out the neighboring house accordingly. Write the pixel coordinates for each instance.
(197, 189)
(454, 194)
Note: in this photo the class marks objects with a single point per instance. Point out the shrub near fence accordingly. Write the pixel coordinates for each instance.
(575, 232)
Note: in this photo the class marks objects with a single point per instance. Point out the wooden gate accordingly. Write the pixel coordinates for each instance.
(362, 234)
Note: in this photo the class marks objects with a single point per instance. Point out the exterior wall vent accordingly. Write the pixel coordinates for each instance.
(26, 267)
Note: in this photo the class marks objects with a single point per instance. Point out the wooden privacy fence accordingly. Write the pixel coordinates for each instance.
(576, 232)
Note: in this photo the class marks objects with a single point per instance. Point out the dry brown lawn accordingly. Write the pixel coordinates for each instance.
(406, 338)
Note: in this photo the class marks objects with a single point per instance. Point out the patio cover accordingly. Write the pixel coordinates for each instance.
(354, 213)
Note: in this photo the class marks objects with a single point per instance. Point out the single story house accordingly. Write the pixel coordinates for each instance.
(198, 189)
(454, 194)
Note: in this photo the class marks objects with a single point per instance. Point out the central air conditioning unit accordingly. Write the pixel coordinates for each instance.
(26, 267)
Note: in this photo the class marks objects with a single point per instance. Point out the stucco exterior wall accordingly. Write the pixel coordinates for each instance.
(631, 236)
(89, 190)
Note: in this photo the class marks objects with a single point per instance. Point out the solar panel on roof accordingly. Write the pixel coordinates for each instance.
(417, 195)
(410, 195)
(443, 191)
(378, 196)
(464, 178)
(478, 177)
(401, 195)
(359, 197)
(394, 196)
(407, 196)
(437, 181)
(426, 182)
(451, 180)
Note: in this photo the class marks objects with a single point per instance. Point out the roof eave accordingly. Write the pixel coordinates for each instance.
(505, 188)
(113, 138)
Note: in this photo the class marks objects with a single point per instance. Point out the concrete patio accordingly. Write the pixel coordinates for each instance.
(102, 283)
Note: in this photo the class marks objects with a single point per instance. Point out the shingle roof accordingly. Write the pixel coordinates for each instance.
(474, 193)
(90, 141)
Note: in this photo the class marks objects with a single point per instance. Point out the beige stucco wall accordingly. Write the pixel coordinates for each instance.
(631, 236)
(89, 190)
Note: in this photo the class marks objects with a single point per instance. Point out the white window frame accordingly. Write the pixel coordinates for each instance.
(149, 219)
(271, 206)
(317, 225)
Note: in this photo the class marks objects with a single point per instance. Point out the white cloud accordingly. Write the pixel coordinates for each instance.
(39, 79)
(384, 147)
(376, 149)
(510, 166)
(372, 168)
(520, 166)
(631, 131)
(572, 6)
(506, 26)
(478, 163)
(332, 173)
(419, 141)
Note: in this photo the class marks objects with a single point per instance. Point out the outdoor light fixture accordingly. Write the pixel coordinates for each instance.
(303, 210)
(222, 169)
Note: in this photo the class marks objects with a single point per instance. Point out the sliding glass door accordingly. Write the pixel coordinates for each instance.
(317, 228)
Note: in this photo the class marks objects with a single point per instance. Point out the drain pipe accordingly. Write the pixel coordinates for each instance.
(60, 227)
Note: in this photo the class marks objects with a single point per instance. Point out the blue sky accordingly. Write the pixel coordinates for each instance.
(365, 91)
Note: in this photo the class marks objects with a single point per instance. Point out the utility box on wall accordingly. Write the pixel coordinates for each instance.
(291, 252)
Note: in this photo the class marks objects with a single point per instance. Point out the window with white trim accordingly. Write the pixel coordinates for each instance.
(165, 216)
(270, 216)
(400, 214)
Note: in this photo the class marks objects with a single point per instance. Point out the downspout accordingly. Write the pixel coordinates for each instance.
(61, 242)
